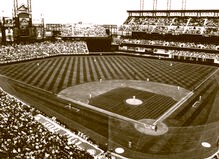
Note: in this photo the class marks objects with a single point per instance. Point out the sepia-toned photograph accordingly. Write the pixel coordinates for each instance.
(109, 79)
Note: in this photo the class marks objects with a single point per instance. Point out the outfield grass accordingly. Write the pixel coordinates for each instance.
(58, 73)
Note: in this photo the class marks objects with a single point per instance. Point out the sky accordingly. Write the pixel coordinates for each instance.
(96, 11)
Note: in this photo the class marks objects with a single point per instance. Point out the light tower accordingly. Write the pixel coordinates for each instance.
(169, 2)
(141, 4)
(154, 4)
(183, 4)
(17, 8)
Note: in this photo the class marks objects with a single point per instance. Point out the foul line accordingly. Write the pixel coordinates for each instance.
(183, 100)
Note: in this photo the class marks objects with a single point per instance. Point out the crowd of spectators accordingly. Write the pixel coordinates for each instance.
(171, 44)
(72, 30)
(23, 137)
(172, 25)
(197, 55)
(19, 52)
(174, 52)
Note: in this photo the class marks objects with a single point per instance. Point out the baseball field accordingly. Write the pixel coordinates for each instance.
(106, 82)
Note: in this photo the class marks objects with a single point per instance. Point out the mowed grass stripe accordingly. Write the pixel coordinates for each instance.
(60, 81)
(168, 103)
(143, 109)
(82, 74)
(11, 71)
(36, 71)
(50, 70)
(91, 71)
(40, 78)
(67, 75)
(27, 69)
(60, 77)
(54, 82)
(118, 72)
(117, 64)
(23, 71)
(146, 70)
(127, 68)
(8, 70)
(52, 79)
(31, 68)
(138, 75)
(16, 71)
(78, 71)
(142, 70)
(75, 71)
(71, 71)
(106, 63)
(95, 74)
(182, 74)
(98, 68)
(41, 75)
(144, 112)
(179, 73)
(84, 70)
(87, 70)
(162, 74)
(104, 68)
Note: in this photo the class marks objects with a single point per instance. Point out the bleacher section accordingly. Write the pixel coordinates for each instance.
(22, 136)
(172, 25)
(19, 52)
(83, 30)
(171, 49)
(190, 36)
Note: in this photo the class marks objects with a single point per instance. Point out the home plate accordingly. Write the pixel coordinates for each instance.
(146, 126)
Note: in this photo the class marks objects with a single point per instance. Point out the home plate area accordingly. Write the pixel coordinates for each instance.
(133, 103)
(140, 101)
(72, 138)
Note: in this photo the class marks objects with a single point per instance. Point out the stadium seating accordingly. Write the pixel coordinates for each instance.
(172, 25)
(193, 54)
(39, 50)
(70, 30)
(23, 137)
(170, 43)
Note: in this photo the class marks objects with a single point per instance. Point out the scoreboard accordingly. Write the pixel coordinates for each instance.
(24, 24)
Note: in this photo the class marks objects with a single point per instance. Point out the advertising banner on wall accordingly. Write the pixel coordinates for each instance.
(9, 35)
(39, 33)
(8, 22)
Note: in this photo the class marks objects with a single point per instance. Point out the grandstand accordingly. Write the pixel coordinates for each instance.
(150, 90)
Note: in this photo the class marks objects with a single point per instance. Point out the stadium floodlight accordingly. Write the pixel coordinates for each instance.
(183, 4)
(169, 2)
(141, 4)
(154, 4)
